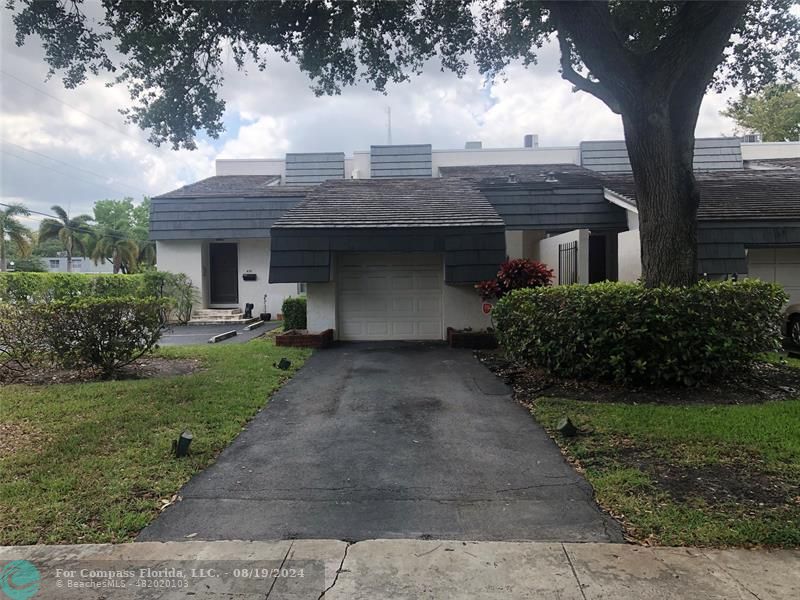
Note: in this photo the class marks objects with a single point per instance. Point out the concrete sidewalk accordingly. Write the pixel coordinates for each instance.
(405, 569)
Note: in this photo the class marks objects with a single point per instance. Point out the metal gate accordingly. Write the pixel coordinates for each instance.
(568, 263)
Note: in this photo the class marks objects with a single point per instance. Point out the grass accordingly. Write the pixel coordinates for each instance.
(101, 465)
(719, 475)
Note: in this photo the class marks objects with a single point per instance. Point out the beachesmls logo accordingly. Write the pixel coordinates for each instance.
(19, 580)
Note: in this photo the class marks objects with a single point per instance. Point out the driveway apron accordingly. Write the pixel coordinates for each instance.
(389, 440)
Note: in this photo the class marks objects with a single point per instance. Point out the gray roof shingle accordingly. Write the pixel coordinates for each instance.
(226, 186)
(566, 175)
(735, 195)
(382, 203)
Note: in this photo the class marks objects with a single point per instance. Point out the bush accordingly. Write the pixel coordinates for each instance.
(36, 288)
(177, 288)
(294, 313)
(629, 334)
(21, 342)
(514, 275)
(100, 333)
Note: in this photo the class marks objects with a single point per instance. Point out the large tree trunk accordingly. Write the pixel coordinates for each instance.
(661, 149)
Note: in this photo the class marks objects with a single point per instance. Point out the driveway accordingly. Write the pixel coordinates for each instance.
(389, 441)
(186, 335)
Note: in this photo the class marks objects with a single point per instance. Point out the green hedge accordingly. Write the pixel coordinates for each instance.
(629, 334)
(294, 313)
(44, 288)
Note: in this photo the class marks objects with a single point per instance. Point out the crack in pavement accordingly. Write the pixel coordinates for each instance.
(574, 572)
(731, 575)
(338, 571)
(275, 579)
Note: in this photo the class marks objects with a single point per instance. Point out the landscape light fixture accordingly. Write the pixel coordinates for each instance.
(181, 446)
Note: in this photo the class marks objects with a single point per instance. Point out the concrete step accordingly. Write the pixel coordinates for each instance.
(217, 311)
(240, 322)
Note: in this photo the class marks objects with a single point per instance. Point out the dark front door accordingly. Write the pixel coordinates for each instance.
(224, 262)
(597, 258)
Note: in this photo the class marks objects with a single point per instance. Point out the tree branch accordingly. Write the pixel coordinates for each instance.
(692, 49)
(590, 28)
(580, 82)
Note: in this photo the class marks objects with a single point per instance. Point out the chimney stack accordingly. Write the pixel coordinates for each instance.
(531, 140)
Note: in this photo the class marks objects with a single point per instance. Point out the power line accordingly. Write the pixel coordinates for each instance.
(67, 164)
(75, 108)
(86, 230)
(95, 183)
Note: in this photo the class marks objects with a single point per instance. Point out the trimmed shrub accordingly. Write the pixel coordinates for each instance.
(38, 288)
(294, 313)
(629, 334)
(514, 275)
(105, 334)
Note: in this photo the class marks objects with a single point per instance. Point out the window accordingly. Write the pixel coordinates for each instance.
(301, 288)
(54, 263)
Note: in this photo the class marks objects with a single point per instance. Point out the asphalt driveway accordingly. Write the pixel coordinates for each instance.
(187, 335)
(389, 441)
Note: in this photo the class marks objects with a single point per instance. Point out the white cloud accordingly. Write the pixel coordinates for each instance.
(278, 113)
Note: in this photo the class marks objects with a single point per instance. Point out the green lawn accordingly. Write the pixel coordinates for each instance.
(691, 475)
(101, 464)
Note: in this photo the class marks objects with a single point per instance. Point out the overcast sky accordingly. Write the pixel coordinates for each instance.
(53, 152)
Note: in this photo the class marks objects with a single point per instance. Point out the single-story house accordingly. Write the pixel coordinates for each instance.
(389, 244)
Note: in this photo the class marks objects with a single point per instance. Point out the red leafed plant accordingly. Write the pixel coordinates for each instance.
(513, 275)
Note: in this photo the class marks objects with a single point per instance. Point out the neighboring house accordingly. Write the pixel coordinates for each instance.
(389, 243)
(80, 264)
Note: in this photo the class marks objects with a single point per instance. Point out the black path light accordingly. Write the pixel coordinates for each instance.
(181, 445)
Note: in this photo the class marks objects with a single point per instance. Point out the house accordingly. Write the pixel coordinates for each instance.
(388, 244)
(80, 264)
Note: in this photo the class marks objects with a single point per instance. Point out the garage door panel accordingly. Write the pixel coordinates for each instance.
(777, 265)
(390, 297)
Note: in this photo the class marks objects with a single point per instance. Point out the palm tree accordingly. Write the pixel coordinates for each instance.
(114, 245)
(16, 232)
(70, 231)
(147, 248)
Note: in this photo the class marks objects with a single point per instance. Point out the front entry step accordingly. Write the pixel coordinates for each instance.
(220, 316)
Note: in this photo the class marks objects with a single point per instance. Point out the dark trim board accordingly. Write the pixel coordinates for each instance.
(471, 254)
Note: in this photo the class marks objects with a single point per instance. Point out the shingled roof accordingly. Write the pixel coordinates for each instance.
(227, 186)
(383, 203)
(735, 195)
(566, 175)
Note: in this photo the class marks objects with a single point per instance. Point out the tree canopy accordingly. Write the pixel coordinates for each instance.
(773, 112)
(650, 62)
(171, 54)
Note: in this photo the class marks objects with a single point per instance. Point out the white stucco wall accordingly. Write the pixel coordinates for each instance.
(523, 243)
(251, 166)
(462, 308)
(548, 252)
(191, 258)
(321, 306)
(633, 219)
(629, 256)
(764, 150)
(254, 257)
(183, 256)
(505, 156)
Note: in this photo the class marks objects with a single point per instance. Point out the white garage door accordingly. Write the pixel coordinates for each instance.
(390, 296)
(778, 265)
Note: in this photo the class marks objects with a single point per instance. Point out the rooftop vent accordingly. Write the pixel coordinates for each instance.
(551, 177)
(473, 145)
(512, 178)
(531, 140)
